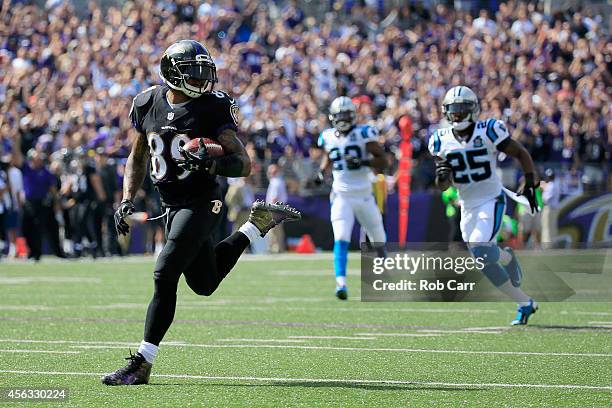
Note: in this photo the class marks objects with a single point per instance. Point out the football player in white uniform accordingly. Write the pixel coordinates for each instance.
(352, 150)
(466, 156)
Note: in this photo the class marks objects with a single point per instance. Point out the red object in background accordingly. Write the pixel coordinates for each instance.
(404, 177)
(358, 100)
(21, 247)
(305, 246)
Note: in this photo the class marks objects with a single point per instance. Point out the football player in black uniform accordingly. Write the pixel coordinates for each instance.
(167, 117)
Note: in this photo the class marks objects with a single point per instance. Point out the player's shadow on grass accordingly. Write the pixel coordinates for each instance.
(329, 384)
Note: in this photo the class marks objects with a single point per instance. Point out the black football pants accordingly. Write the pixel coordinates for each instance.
(189, 251)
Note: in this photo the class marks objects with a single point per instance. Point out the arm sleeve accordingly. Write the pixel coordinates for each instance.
(321, 141)
(434, 144)
(497, 132)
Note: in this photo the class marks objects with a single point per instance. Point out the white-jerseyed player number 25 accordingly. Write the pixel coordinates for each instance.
(466, 166)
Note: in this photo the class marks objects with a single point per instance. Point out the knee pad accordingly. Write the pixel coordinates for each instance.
(165, 288)
(496, 273)
(377, 233)
(488, 253)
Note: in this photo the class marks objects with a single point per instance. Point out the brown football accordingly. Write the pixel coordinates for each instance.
(213, 148)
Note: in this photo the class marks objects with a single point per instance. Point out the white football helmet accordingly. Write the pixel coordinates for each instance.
(461, 107)
(343, 114)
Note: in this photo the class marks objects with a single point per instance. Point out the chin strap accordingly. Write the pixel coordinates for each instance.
(461, 125)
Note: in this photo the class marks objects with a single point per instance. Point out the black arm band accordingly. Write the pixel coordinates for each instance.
(229, 166)
(529, 179)
(365, 162)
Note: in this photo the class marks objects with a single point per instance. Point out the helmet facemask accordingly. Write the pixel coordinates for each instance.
(343, 121)
(193, 77)
(461, 114)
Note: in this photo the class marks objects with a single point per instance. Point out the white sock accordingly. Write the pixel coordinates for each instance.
(340, 281)
(250, 230)
(504, 257)
(148, 351)
(515, 294)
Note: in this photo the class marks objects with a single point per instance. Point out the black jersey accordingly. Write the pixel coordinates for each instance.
(167, 128)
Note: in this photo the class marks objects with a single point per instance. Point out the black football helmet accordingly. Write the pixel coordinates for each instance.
(187, 66)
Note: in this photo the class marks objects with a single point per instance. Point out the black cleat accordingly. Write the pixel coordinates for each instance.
(136, 372)
(266, 216)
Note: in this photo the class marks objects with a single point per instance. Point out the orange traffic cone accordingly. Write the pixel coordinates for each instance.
(305, 246)
(21, 248)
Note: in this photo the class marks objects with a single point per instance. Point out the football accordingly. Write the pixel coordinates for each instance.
(213, 148)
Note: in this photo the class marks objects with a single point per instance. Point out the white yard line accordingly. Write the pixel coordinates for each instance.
(461, 331)
(579, 312)
(331, 380)
(604, 323)
(99, 343)
(38, 351)
(104, 347)
(235, 306)
(332, 337)
(304, 347)
(23, 280)
(264, 340)
(401, 350)
(399, 334)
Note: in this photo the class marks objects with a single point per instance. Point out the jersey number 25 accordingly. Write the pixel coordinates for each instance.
(466, 167)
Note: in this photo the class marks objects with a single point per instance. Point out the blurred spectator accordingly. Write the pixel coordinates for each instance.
(41, 202)
(277, 191)
(4, 209)
(529, 227)
(570, 184)
(88, 193)
(104, 221)
(484, 24)
(13, 202)
(239, 199)
(551, 194)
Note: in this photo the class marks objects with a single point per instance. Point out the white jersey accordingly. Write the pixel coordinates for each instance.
(354, 182)
(474, 161)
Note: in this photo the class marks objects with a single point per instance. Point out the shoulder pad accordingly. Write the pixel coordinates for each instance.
(223, 96)
(495, 130)
(321, 140)
(435, 143)
(143, 98)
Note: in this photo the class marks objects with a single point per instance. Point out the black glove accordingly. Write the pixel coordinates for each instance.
(319, 178)
(352, 162)
(528, 190)
(125, 208)
(196, 161)
(443, 170)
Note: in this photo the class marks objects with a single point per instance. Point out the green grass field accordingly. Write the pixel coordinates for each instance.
(274, 335)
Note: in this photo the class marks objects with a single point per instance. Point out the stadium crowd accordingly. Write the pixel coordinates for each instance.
(68, 76)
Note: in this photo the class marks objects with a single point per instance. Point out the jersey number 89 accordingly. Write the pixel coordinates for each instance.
(159, 167)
